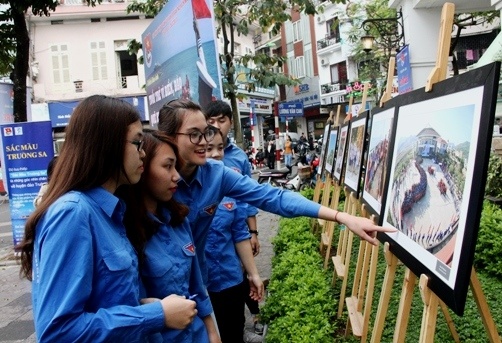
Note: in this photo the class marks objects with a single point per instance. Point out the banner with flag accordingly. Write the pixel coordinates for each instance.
(181, 55)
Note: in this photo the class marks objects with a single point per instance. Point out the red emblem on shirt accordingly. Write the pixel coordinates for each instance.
(210, 209)
(189, 247)
(228, 205)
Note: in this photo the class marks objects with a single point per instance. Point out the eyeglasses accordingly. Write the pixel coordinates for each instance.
(196, 136)
(139, 144)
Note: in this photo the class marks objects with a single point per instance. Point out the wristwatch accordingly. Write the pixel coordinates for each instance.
(254, 231)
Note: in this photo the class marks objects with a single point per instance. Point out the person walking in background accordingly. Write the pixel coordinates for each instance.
(43, 188)
(228, 244)
(160, 233)
(75, 250)
(288, 153)
(270, 154)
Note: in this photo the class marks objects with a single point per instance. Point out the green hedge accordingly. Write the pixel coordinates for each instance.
(302, 304)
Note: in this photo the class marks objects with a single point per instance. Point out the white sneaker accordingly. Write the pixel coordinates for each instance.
(251, 337)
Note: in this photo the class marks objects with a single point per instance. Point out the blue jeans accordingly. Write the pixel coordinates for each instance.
(287, 159)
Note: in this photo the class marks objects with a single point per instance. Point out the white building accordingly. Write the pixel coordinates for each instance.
(337, 68)
(81, 50)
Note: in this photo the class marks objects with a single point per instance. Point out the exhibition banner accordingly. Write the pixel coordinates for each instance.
(181, 56)
(28, 149)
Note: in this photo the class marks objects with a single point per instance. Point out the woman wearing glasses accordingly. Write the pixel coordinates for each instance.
(75, 250)
(204, 183)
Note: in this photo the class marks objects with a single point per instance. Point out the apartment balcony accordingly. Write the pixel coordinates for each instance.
(328, 44)
(333, 93)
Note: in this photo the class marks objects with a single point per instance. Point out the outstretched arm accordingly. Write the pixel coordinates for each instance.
(363, 227)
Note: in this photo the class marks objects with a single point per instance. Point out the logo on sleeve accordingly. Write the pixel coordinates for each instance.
(189, 247)
(210, 209)
(229, 205)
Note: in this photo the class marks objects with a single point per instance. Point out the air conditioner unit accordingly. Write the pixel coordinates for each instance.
(325, 61)
(321, 18)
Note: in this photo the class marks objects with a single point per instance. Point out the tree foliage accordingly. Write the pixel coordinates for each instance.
(372, 66)
(236, 17)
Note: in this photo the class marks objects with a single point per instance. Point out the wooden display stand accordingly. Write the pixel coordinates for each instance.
(360, 302)
(430, 299)
(341, 260)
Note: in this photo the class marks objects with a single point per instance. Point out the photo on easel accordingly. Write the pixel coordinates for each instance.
(340, 152)
(356, 144)
(322, 159)
(437, 178)
(330, 154)
(380, 143)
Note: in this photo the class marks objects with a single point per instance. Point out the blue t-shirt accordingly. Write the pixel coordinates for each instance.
(86, 284)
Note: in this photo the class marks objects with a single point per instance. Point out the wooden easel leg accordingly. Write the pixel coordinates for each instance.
(345, 276)
(484, 311)
(429, 317)
(383, 304)
(403, 314)
(449, 322)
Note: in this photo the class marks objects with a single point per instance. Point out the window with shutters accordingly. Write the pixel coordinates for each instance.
(98, 61)
(60, 64)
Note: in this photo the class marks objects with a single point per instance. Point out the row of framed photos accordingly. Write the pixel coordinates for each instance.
(419, 164)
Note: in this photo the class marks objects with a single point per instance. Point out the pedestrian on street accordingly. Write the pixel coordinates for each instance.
(270, 154)
(84, 270)
(158, 229)
(288, 153)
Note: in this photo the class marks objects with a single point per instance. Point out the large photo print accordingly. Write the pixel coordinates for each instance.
(436, 181)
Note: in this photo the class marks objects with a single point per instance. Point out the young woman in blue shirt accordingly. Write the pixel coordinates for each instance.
(228, 245)
(75, 249)
(158, 229)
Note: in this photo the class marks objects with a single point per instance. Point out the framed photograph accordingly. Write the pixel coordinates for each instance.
(340, 152)
(356, 144)
(437, 178)
(379, 151)
(322, 160)
(330, 154)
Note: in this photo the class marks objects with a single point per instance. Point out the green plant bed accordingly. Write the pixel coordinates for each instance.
(302, 303)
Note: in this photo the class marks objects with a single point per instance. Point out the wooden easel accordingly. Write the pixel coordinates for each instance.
(360, 302)
(386, 96)
(329, 226)
(341, 260)
(429, 298)
(322, 185)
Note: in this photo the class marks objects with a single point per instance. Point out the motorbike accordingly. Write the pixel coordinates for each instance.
(273, 176)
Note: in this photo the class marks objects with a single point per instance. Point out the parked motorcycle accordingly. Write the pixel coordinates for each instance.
(273, 176)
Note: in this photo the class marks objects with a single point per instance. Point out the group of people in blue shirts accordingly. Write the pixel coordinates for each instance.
(124, 246)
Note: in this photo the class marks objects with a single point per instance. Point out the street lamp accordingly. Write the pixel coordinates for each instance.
(390, 29)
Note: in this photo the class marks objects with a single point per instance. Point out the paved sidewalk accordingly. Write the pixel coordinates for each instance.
(16, 316)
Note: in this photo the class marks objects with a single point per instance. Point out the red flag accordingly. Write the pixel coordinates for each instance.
(200, 9)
